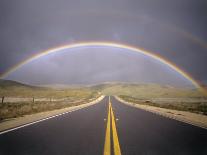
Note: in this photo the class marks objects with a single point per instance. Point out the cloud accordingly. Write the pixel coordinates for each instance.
(29, 27)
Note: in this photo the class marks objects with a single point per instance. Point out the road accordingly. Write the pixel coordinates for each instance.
(106, 129)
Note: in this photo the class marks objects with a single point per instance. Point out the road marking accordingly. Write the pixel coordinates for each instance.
(111, 123)
(117, 150)
(107, 145)
(27, 124)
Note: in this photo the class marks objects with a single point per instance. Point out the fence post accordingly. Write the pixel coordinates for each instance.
(33, 99)
(2, 99)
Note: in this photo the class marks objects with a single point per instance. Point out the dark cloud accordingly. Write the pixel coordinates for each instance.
(174, 29)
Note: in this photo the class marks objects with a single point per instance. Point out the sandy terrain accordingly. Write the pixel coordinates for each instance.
(12, 123)
(187, 117)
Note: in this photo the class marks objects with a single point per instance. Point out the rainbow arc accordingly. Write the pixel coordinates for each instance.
(106, 44)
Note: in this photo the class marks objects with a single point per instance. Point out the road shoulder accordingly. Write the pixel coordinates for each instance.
(28, 119)
(183, 116)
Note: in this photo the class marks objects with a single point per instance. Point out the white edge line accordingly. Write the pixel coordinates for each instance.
(27, 124)
(164, 115)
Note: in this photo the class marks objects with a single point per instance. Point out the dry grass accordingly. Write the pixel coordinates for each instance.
(73, 96)
(195, 107)
(18, 93)
(13, 110)
(146, 91)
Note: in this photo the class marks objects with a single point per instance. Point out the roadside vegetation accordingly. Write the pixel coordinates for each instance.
(18, 109)
(195, 107)
(19, 99)
(163, 96)
(148, 91)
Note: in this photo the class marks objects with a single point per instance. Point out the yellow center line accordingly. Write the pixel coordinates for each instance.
(107, 145)
(117, 150)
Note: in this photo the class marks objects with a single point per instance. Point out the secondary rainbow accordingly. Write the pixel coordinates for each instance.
(105, 44)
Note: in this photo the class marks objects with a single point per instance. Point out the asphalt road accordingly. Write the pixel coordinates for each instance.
(145, 133)
(83, 132)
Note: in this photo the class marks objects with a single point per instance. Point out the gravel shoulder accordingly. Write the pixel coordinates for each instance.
(16, 122)
(183, 116)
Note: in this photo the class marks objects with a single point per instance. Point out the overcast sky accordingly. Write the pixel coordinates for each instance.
(174, 29)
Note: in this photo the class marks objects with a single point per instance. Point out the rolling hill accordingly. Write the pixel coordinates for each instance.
(13, 88)
(146, 90)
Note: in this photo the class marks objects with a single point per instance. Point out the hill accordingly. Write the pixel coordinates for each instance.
(9, 83)
(13, 88)
(10, 88)
(18, 96)
(146, 90)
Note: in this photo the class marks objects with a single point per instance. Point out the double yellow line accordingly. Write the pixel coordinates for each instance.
(111, 124)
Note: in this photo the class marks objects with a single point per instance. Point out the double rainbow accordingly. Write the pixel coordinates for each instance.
(106, 44)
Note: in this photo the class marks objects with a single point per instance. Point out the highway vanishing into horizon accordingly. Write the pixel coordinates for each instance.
(106, 128)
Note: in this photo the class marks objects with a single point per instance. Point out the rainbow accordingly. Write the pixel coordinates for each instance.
(105, 44)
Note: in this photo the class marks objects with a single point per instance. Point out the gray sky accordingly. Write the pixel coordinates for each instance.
(174, 29)
(97, 65)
